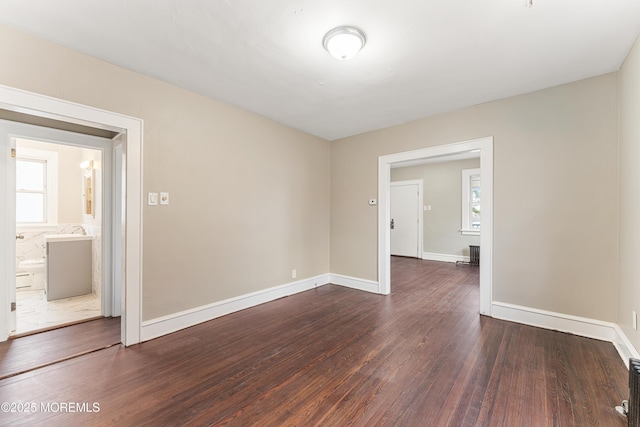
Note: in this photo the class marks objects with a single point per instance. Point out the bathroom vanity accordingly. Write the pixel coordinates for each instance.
(68, 269)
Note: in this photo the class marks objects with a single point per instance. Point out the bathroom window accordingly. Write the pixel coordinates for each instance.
(36, 186)
(471, 202)
(31, 190)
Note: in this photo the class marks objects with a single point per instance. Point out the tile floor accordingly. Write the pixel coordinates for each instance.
(35, 312)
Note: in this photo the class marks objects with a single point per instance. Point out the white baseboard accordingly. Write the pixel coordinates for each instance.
(625, 349)
(582, 326)
(355, 283)
(576, 325)
(431, 256)
(155, 328)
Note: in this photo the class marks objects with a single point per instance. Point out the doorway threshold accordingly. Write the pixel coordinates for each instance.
(22, 354)
(53, 327)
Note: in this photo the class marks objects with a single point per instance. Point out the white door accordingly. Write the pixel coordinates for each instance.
(405, 218)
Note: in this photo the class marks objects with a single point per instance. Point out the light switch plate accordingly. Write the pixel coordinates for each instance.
(152, 199)
(164, 198)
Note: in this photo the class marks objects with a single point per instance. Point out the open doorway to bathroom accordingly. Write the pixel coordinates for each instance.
(119, 137)
(58, 235)
(59, 201)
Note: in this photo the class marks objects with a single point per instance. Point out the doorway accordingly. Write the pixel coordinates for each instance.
(34, 108)
(59, 226)
(485, 148)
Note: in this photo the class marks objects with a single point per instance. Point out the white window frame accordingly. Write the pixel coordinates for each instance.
(466, 228)
(51, 197)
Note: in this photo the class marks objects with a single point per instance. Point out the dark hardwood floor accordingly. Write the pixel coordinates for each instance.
(32, 351)
(335, 357)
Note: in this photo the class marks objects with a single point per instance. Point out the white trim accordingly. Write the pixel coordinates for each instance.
(44, 106)
(354, 283)
(624, 347)
(164, 325)
(576, 325)
(420, 184)
(485, 145)
(7, 234)
(431, 256)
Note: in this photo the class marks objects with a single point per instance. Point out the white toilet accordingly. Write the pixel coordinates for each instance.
(35, 270)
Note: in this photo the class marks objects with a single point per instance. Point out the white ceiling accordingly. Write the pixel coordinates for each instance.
(422, 57)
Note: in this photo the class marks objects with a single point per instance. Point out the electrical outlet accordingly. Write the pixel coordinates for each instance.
(634, 320)
(294, 274)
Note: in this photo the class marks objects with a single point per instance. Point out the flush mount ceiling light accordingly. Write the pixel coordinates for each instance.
(344, 42)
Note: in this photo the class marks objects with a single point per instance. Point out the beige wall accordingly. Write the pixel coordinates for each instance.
(442, 190)
(629, 246)
(555, 194)
(249, 197)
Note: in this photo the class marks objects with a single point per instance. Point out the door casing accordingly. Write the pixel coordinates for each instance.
(485, 147)
(131, 129)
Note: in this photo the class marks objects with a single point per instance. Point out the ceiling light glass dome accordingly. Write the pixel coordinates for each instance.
(344, 43)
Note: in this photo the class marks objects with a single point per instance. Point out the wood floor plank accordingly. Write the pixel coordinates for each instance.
(333, 356)
(29, 352)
